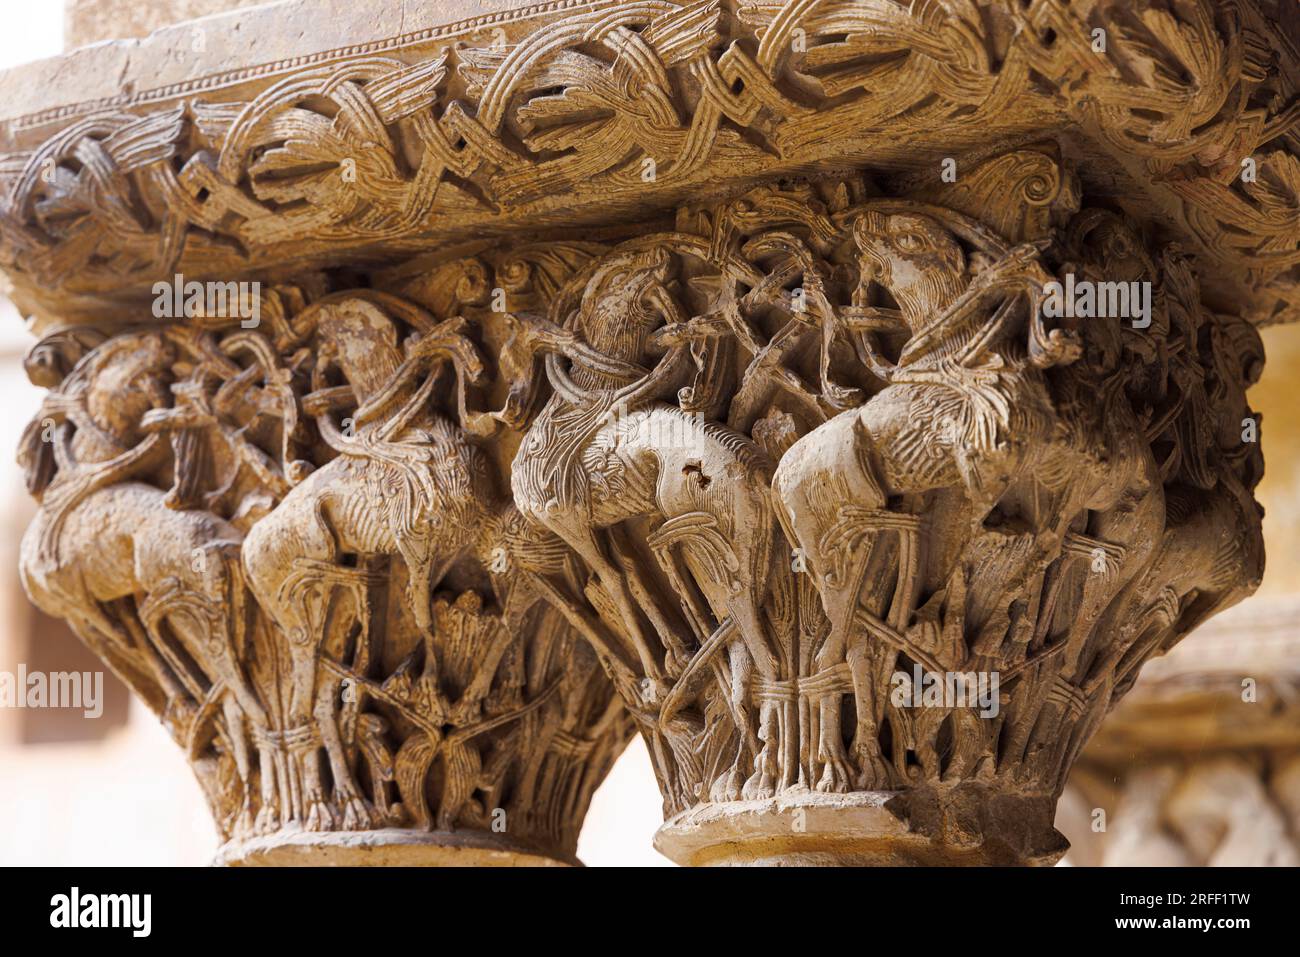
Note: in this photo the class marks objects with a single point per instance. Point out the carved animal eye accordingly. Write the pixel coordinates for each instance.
(911, 242)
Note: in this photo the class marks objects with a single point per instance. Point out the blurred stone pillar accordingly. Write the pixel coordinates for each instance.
(1200, 764)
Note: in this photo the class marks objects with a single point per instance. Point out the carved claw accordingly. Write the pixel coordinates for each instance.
(836, 777)
(693, 330)
(840, 397)
(727, 787)
(1021, 263)
(874, 775)
(759, 787)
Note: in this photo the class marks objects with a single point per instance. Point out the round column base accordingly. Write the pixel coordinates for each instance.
(387, 847)
(863, 829)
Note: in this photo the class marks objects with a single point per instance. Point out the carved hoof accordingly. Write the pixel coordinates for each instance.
(357, 815)
(267, 821)
(759, 787)
(874, 775)
(835, 776)
(726, 788)
(319, 816)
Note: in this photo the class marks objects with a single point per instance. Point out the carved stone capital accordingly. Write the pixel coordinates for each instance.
(356, 135)
(855, 465)
(305, 569)
(849, 396)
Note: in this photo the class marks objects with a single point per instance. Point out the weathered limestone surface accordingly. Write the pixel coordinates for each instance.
(431, 403)
(91, 21)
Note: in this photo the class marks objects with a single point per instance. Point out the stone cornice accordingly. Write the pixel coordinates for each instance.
(247, 50)
(542, 118)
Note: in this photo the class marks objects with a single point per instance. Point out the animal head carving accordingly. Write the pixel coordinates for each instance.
(913, 257)
(107, 392)
(48, 362)
(627, 288)
(123, 379)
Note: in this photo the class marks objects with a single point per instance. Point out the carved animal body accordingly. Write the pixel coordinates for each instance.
(115, 559)
(364, 506)
(417, 493)
(108, 559)
(594, 460)
(991, 415)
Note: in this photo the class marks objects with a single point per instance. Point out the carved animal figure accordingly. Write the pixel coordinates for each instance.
(407, 483)
(605, 451)
(958, 419)
(107, 553)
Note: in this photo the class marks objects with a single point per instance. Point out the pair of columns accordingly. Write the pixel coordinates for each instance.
(848, 398)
